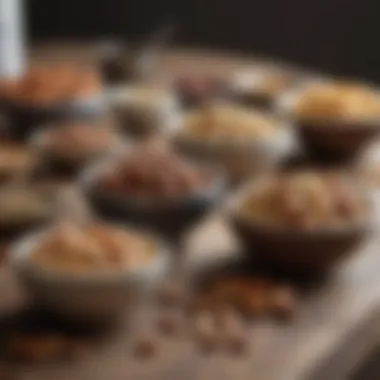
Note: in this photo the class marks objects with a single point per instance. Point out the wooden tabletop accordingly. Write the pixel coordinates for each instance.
(335, 328)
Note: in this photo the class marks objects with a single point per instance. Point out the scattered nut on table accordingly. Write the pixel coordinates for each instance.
(234, 332)
(77, 349)
(170, 293)
(169, 323)
(36, 348)
(145, 348)
(284, 302)
(206, 332)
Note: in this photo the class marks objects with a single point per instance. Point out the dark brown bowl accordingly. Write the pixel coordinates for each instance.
(171, 217)
(337, 141)
(241, 160)
(25, 119)
(299, 250)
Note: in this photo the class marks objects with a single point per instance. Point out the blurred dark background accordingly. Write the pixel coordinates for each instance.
(338, 36)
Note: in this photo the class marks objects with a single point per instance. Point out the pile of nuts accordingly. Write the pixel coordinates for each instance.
(15, 158)
(51, 84)
(338, 101)
(95, 248)
(37, 348)
(217, 316)
(305, 199)
(267, 84)
(77, 139)
(227, 123)
(154, 171)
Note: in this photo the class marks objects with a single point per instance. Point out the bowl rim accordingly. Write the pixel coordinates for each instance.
(20, 251)
(284, 136)
(121, 97)
(257, 77)
(38, 141)
(234, 214)
(285, 102)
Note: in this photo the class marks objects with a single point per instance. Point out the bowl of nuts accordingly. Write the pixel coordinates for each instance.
(154, 187)
(17, 161)
(242, 142)
(144, 110)
(25, 206)
(196, 90)
(336, 120)
(261, 87)
(49, 93)
(88, 272)
(67, 148)
(302, 220)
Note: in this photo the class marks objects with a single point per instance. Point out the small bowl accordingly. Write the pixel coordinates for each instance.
(338, 141)
(12, 169)
(11, 226)
(25, 119)
(241, 160)
(198, 90)
(90, 298)
(71, 163)
(170, 217)
(298, 250)
(120, 63)
(141, 118)
(248, 87)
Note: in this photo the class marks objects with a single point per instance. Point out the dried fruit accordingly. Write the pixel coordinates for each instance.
(77, 349)
(36, 348)
(206, 333)
(169, 324)
(145, 348)
(234, 332)
(154, 173)
(203, 302)
(283, 302)
(253, 304)
(170, 293)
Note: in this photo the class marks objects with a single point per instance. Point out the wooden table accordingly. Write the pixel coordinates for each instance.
(335, 328)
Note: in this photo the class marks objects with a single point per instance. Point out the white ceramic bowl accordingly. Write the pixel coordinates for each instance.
(141, 117)
(86, 297)
(242, 159)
